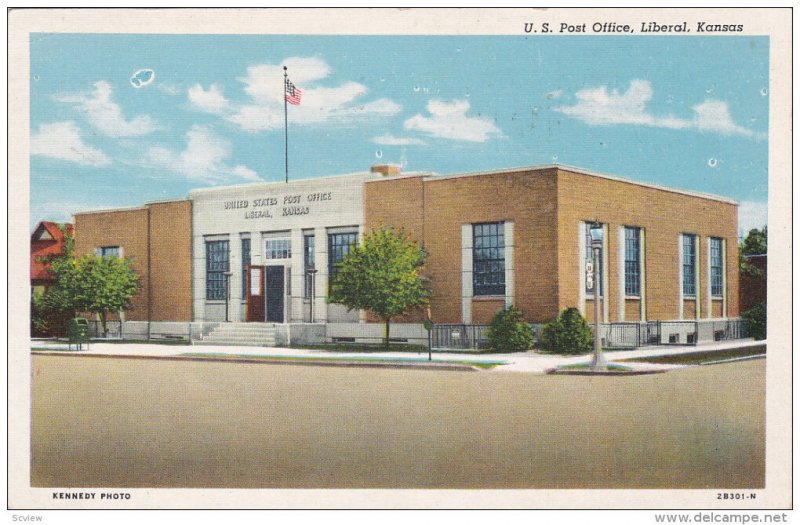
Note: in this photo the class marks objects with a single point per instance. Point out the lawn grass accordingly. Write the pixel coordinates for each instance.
(701, 357)
(478, 364)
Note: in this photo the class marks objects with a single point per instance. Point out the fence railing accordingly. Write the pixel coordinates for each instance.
(459, 336)
(615, 335)
(114, 330)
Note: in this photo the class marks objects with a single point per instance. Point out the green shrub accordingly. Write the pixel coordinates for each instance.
(568, 334)
(508, 332)
(755, 321)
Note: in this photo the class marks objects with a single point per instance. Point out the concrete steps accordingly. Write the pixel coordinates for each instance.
(240, 334)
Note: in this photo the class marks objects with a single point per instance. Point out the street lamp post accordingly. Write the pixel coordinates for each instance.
(596, 233)
(227, 292)
(312, 272)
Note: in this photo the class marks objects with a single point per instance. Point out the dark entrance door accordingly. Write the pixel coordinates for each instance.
(274, 292)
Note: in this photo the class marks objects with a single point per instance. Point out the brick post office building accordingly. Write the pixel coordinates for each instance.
(240, 254)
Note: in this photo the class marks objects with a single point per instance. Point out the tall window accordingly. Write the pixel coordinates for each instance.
(308, 262)
(689, 265)
(488, 259)
(590, 257)
(216, 266)
(632, 261)
(715, 269)
(245, 262)
(278, 249)
(339, 246)
(109, 251)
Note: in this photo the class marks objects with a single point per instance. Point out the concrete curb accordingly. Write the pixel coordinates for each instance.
(268, 361)
(584, 372)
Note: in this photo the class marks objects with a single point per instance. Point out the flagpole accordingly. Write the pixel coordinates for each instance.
(286, 124)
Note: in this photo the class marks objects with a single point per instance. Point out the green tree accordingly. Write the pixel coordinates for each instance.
(755, 243)
(96, 284)
(508, 331)
(381, 275)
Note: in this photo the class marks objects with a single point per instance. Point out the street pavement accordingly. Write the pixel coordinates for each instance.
(526, 362)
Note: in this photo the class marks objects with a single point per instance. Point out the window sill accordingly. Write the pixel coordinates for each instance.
(633, 297)
(717, 298)
(488, 297)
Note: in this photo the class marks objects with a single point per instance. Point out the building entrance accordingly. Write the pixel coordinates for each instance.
(274, 281)
(265, 294)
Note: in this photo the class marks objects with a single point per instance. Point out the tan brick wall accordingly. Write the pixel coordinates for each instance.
(484, 309)
(170, 251)
(171, 260)
(689, 309)
(632, 310)
(716, 308)
(588, 313)
(525, 198)
(124, 228)
(663, 215)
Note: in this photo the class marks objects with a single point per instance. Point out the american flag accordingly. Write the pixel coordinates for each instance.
(292, 93)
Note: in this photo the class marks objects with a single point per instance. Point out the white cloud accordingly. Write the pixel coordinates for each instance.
(263, 107)
(204, 159)
(752, 214)
(597, 106)
(62, 140)
(714, 116)
(387, 139)
(449, 120)
(265, 81)
(106, 115)
(211, 101)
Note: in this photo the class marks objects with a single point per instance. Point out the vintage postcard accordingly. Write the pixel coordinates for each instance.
(400, 258)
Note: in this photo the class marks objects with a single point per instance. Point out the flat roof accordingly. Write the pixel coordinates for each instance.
(582, 171)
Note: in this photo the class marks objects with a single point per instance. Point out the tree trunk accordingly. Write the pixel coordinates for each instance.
(386, 335)
(103, 324)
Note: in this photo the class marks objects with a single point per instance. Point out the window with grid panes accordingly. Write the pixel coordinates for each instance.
(339, 246)
(689, 264)
(632, 261)
(715, 268)
(308, 262)
(278, 249)
(245, 263)
(216, 266)
(488, 259)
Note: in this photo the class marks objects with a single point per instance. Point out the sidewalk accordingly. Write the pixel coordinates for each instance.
(528, 362)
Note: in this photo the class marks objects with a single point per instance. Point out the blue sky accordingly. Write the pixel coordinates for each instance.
(119, 120)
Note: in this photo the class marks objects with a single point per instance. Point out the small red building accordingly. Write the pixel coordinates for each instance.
(47, 239)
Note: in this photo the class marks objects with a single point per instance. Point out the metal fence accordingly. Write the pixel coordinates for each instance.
(727, 330)
(615, 335)
(459, 336)
(114, 329)
(633, 335)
